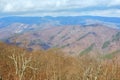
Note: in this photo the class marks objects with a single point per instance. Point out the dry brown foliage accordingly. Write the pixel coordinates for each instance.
(19, 64)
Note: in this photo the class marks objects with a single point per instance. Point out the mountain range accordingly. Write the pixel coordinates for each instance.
(72, 34)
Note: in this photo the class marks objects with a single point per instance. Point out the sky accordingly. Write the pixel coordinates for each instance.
(109, 8)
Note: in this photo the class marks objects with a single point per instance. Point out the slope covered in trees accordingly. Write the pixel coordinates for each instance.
(19, 64)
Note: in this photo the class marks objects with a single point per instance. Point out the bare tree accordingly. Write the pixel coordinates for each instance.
(21, 63)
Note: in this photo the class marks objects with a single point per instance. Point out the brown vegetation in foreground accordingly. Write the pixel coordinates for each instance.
(19, 64)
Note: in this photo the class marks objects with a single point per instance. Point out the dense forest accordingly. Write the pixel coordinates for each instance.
(19, 64)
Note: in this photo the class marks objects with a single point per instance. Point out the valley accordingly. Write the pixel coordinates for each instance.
(52, 48)
(72, 37)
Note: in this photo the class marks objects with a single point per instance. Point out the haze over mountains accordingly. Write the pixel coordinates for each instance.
(72, 34)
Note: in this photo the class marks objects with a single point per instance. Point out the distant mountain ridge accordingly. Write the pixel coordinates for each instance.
(63, 20)
(73, 34)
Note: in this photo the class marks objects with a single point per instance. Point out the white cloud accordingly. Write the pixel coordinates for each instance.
(8, 7)
(114, 3)
(107, 13)
(20, 5)
(50, 7)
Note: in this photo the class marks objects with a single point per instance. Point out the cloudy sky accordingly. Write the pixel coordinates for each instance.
(109, 8)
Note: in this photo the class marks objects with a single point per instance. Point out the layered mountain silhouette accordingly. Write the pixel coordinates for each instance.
(74, 35)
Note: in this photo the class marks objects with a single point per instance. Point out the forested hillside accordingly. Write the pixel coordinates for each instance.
(19, 64)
